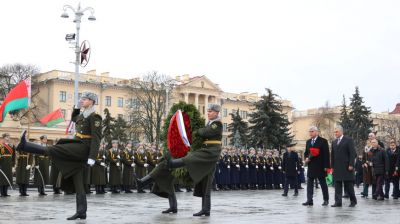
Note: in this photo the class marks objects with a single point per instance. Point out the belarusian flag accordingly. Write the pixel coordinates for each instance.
(18, 98)
(53, 118)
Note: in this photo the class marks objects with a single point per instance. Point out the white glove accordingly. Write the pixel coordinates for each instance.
(28, 167)
(37, 167)
(118, 164)
(237, 166)
(102, 164)
(132, 165)
(90, 162)
(146, 165)
(119, 157)
(104, 156)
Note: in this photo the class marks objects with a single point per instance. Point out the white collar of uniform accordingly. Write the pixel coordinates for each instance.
(211, 121)
(88, 111)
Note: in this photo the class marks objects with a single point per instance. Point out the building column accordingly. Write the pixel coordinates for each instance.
(186, 97)
(196, 100)
(206, 102)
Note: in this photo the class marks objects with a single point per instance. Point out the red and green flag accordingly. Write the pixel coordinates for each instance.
(53, 118)
(18, 98)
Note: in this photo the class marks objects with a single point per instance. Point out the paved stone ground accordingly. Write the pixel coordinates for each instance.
(227, 207)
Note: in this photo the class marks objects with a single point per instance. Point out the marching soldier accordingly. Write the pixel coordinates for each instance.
(98, 179)
(114, 160)
(42, 163)
(199, 163)
(55, 177)
(7, 162)
(128, 166)
(24, 166)
(72, 155)
(141, 164)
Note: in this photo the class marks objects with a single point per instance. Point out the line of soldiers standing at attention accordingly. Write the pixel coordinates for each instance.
(117, 167)
(241, 169)
(23, 165)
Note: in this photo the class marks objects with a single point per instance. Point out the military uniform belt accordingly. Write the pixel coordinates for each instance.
(7, 155)
(212, 142)
(23, 156)
(79, 135)
(42, 157)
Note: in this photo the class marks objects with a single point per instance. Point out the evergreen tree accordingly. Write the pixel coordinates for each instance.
(360, 122)
(196, 122)
(270, 126)
(344, 117)
(239, 130)
(119, 130)
(108, 127)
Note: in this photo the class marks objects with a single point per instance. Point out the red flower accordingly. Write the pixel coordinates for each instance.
(314, 152)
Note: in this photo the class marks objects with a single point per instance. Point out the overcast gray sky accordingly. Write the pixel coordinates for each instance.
(305, 51)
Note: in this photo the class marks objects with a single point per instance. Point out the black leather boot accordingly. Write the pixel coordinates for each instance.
(175, 163)
(30, 147)
(41, 191)
(81, 207)
(173, 205)
(5, 189)
(206, 206)
(25, 190)
(142, 183)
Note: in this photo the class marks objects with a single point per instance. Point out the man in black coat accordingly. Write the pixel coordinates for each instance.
(317, 159)
(290, 167)
(393, 155)
(380, 168)
(343, 156)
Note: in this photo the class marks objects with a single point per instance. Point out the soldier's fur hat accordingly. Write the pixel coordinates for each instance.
(214, 107)
(89, 95)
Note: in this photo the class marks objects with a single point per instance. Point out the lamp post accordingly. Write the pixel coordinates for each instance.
(77, 20)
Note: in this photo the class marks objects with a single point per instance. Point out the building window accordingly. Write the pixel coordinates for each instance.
(225, 141)
(63, 113)
(120, 102)
(225, 126)
(63, 96)
(108, 101)
(225, 114)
